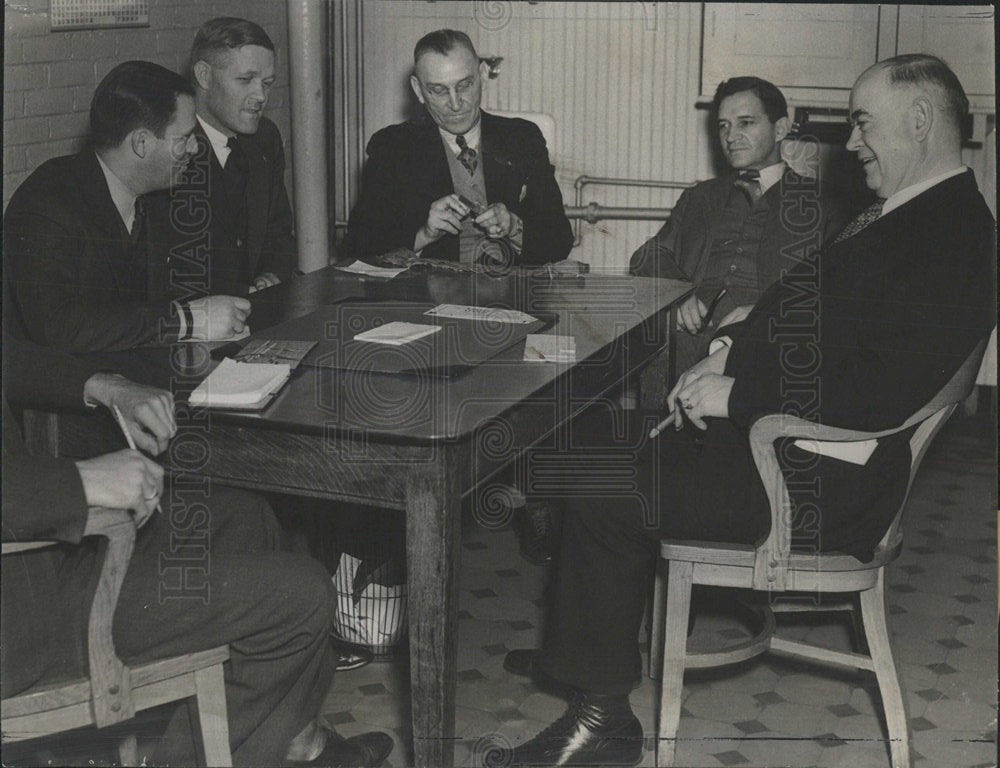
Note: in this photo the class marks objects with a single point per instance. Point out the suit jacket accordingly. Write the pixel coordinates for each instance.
(407, 170)
(50, 589)
(195, 222)
(75, 284)
(801, 214)
(861, 335)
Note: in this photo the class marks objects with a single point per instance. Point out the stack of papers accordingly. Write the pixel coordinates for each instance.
(540, 347)
(240, 385)
(370, 270)
(397, 333)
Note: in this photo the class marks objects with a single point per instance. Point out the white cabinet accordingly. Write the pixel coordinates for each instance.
(814, 53)
(962, 35)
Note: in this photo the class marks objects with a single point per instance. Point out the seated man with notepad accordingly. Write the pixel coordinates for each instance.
(86, 273)
(206, 571)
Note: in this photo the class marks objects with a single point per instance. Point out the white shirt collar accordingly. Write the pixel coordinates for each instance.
(218, 140)
(472, 136)
(908, 193)
(771, 175)
(121, 195)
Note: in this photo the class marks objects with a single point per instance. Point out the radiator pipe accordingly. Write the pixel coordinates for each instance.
(308, 113)
(584, 180)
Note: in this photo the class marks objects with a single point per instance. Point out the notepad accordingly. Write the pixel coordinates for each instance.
(397, 333)
(539, 347)
(240, 385)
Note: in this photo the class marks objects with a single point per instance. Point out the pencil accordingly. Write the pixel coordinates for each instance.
(120, 418)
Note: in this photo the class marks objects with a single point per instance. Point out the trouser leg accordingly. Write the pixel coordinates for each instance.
(216, 578)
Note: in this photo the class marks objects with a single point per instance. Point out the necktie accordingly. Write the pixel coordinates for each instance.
(466, 155)
(138, 221)
(235, 170)
(749, 182)
(862, 220)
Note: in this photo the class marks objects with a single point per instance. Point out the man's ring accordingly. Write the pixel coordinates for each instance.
(686, 404)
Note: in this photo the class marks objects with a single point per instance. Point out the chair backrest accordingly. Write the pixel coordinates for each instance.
(545, 122)
(771, 558)
(110, 683)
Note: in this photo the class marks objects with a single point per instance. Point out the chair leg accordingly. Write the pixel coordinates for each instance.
(212, 715)
(675, 626)
(658, 613)
(128, 750)
(877, 633)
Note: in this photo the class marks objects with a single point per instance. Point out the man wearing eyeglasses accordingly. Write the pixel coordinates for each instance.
(457, 183)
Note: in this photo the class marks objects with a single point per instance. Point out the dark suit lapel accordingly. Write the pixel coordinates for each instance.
(430, 164)
(110, 233)
(501, 172)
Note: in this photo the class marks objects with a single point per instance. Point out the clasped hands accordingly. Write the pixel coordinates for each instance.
(446, 215)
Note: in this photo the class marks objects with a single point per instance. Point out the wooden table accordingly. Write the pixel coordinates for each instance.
(413, 444)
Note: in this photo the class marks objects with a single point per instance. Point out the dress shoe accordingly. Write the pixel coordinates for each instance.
(368, 750)
(595, 730)
(533, 525)
(521, 661)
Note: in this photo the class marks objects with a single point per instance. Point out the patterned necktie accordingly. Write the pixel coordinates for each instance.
(466, 155)
(862, 220)
(749, 182)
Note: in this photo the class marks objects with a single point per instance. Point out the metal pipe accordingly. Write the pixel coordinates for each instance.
(584, 180)
(360, 74)
(308, 113)
(345, 110)
(593, 213)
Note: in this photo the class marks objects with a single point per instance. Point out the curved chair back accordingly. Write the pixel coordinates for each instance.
(772, 555)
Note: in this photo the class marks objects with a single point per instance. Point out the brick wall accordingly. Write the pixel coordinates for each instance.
(49, 77)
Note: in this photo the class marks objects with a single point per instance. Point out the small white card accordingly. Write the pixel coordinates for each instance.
(492, 314)
(397, 333)
(363, 268)
(540, 347)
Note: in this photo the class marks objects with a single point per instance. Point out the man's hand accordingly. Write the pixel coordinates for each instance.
(708, 395)
(264, 280)
(444, 217)
(122, 480)
(690, 314)
(218, 317)
(148, 411)
(496, 221)
(738, 315)
(708, 367)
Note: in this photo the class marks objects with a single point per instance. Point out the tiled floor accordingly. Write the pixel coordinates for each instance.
(770, 711)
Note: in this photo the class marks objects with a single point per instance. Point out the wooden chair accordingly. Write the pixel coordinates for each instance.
(771, 567)
(114, 691)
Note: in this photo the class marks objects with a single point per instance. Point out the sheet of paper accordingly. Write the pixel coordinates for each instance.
(240, 384)
(856, 452)
(361, 268)
(540, 347)
(397, 333)
(234, 337)
(491, 314)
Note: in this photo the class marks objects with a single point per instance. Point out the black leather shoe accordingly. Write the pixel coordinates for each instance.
(521, 661)
(368, 749)
(596, 730)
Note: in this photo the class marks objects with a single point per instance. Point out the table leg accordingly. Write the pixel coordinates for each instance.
(433, 557)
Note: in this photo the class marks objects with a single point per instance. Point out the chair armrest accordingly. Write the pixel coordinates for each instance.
(100, 522)
(110, 682)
